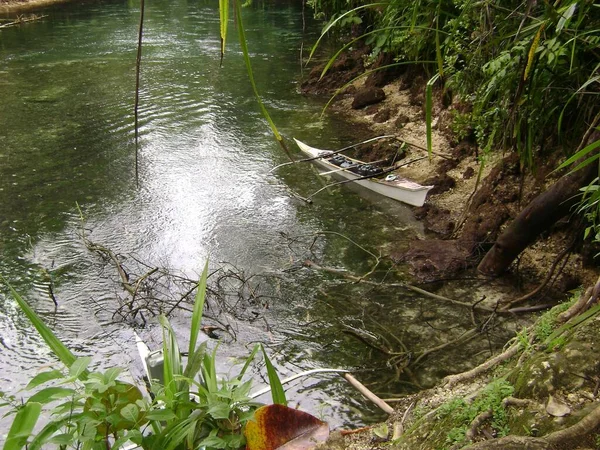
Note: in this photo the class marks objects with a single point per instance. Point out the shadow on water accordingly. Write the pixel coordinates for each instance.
(66, 85)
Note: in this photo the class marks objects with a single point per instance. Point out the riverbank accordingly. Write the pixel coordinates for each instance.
(475, 196)
(541, 392)
(20, 6)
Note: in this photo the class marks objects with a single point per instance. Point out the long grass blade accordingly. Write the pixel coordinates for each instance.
(138, 64)
(58, 348)
(580, 154)
(277, 392)
(171, 358)
(428, 111)
(332, 24)
(244, 46)
(224, 18)
(22, 426)
(198, 310)
(248, 361)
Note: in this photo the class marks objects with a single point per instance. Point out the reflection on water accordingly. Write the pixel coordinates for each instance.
(205, 191)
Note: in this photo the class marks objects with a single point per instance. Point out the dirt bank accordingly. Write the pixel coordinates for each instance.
(542, 391)
(20, 6)
(475, 196)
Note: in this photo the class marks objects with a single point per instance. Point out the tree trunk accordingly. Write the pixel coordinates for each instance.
(537, 217)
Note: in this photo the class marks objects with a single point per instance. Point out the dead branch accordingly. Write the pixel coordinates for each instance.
(399, 426)
(521, 403)
(463, 338)
(410, 287)
(368, 394)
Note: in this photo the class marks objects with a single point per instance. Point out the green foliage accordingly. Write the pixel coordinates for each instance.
(462, 413)
(529, 69)
(546, 324)
(461, 124)
(193, 408)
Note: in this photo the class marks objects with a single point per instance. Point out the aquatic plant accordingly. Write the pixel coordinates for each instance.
(191, 407)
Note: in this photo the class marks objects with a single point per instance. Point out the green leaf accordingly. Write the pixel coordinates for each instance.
(79, 366)
(580, 154)
(130, 412)
(44, 377)
(160, 414)
(171, 358)
(55, 344)
(194, 361)
(48, 431)
(223, 18)
(198, 306)
(62, 439)
(22, 426)
(248, 361)
(52, 393)
(428, 111)
(277, 391)
(244, 46)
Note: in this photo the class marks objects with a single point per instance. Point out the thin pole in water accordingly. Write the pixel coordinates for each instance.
(138, 63)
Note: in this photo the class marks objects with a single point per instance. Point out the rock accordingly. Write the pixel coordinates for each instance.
(440, 183)
(401, 120)
(367, 96)
(382, 116)
(556, 408)
(373, 109)
(468, 173)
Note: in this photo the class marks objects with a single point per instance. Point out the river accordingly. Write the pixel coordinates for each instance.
(205, 191)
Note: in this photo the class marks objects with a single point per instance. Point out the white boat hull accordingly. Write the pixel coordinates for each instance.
(402, 190)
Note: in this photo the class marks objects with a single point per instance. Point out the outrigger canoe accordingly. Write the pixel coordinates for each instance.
(391, 186)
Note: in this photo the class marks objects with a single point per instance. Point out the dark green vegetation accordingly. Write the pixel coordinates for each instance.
(189, 408)
(521, 76)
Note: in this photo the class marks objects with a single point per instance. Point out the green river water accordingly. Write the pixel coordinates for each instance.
(205, 191)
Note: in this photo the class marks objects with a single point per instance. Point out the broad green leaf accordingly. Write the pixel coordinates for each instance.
(198, 305)
(130, 412)
(160, 414)
(62, 439)
(44, 377)
(79, 366)
(60, 350)
(22, 426)
(52, 393)
(277, 392)
(276, 426)
(48, 431)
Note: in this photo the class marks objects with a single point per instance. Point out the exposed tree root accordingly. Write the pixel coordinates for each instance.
(546, 280)
(476, 423)
(482, 368)
(557, 440)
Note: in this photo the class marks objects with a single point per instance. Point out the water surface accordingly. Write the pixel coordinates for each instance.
(67, 166)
